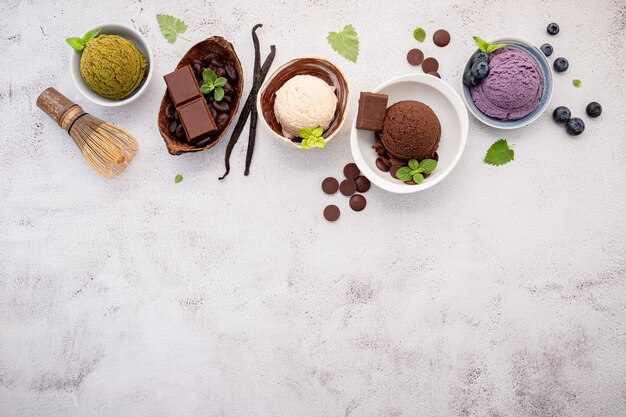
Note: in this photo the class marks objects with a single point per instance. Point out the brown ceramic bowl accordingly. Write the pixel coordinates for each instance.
(309, 65)
(226, 52)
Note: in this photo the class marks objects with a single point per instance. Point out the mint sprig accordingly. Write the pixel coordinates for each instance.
(415, 170)
(312, 137)
(213, 83)
(345, 42)
(80, 43)
(487, 47)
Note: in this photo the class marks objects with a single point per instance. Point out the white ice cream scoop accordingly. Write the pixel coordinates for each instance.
(304, 101)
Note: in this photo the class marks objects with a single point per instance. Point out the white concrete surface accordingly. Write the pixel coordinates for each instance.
(500, 292)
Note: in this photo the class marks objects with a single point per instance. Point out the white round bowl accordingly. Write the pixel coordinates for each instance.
(124, 31)
(448, 107)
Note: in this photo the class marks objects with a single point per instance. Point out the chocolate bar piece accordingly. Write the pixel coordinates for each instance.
(197, 120)
(182, 85)
(372, 109)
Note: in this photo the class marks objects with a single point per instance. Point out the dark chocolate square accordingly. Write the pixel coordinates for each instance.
(197, 120)
(372, 109)
(182, 85)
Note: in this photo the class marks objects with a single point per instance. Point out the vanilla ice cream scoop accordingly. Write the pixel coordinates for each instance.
(304, 101)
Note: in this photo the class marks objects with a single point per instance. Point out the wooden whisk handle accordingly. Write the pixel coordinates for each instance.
(60, 108)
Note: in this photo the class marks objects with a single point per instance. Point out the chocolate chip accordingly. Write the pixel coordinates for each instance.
(330, 185)
(362, 184)
(441, 38)
(434, 73)
(430, 65)
(347, 187)
(393, 170)
(351, 171)
(380, 164)
(357, 202)
(331, 213)
(415, 56)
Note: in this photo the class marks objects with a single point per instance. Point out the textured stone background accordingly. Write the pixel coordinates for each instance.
(500, 292)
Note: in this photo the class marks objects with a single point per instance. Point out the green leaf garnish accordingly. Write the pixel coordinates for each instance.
(487, 47)
(213, 83)
(178, 179)
(499, 153)
(345, 43)
(171, 27)
(312, 137)
(415, 170)
(80, 43)
(577, 83)
(419, 34)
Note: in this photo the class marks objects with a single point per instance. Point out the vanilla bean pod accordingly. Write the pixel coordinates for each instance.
(250, 102)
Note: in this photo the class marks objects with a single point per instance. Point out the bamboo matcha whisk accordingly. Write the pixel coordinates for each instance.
(107, 148)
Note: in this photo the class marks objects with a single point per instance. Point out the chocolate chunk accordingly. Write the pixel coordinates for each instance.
(371, 114)
(197, 120)
(430, 65)
(441, 38)
(362, 184)
(380, 164)
(331, 213)
(347, 187)
(357, 202)
(330, 185)
(182, 85)
(415, 56)
(351, 171)
(434, 73)
(393, 170)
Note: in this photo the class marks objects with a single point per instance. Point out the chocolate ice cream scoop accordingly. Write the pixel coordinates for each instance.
(411, 131)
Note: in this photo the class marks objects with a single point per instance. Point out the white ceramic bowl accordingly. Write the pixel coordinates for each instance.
(308, 65)
(448, 107)
(124, 31)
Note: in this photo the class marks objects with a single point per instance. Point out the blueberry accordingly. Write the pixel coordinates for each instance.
(547, 49)
(469, 80)
(553, 29)
(479, 56)
(480, 70)
(594, 109)
(560, 65)
(575, 126)
(561, 115)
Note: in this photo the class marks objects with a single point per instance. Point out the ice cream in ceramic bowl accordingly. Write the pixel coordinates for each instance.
(304, 103)
(516, 88)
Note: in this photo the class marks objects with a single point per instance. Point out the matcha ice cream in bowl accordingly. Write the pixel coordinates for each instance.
(507, 83)
(111, 64)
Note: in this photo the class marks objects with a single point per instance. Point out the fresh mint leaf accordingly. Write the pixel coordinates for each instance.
(206, 88)
(178, 179)
(320, 142)
(77, 43)
(218, 95)
(413, 164)
(487, 47)
(419, 34)
(89, 36)
(307, 143)
(312, 137)
(428, 165)
(209, 76)
(345, 42)
(499, 153)
(220, 82)
(418, 178)
(305, 132)
(171, 27)
(404, 174)
(577, 83)
(317, 132)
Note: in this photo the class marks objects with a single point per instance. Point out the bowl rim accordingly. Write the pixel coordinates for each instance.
(285, 64)
(461, 113)
(95, 98)
(510, 124)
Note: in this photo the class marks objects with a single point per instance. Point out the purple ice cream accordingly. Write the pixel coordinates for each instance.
(513, 88)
